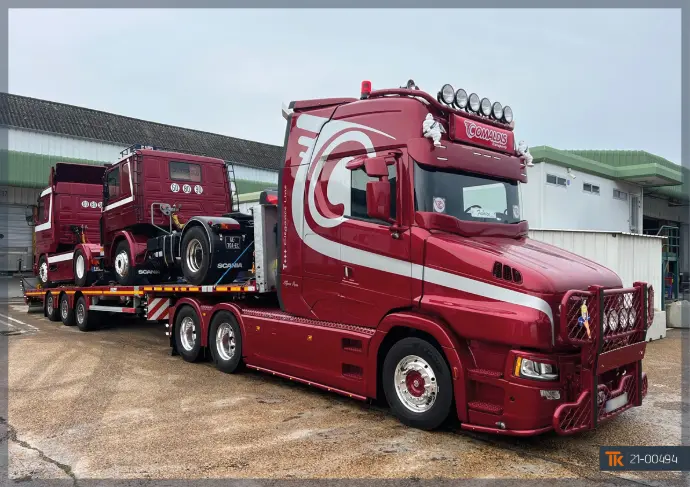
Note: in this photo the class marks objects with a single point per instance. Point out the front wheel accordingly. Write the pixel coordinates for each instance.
(417, 383)
(124, 264)
(225, 342)
(43, 272)
(81, 269)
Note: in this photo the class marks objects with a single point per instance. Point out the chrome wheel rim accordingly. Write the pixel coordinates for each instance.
(194, 255)
(225, 341)
(43, 272)
(122, 263)
(49, 304)
(415, 384)
(64, 308)
(79, 266)
(187, 333)
(81, 311)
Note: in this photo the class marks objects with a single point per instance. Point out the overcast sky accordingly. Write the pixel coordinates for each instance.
(576, 79)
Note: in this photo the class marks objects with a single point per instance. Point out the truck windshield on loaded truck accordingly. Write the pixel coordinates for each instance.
(393, 263)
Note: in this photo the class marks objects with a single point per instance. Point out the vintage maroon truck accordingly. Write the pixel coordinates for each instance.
(68, 216)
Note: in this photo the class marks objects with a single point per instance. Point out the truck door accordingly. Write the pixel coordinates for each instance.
(376, 266)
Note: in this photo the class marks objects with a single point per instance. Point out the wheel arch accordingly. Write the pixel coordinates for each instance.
(454, 350)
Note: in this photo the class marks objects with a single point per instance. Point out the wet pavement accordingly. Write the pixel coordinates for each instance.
(113, 403)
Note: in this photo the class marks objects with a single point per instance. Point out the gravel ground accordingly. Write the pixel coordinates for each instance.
(114, 404)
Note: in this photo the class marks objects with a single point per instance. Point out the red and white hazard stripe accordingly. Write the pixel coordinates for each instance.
(158, 309)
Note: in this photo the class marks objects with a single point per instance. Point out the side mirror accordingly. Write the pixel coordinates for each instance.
(379, 200)
(30, 216)
(374, 167)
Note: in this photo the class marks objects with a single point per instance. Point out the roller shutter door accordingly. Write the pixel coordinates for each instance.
(16, 241)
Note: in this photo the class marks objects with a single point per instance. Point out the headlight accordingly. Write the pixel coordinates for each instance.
(461, 99)
(474, 102)
(612, 319)
(529, 369)
(446, 95)
(486, 107)
(507, 114)
(497, 111)
(632, 318)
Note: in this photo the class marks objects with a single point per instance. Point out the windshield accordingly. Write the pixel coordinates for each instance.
(467, 197)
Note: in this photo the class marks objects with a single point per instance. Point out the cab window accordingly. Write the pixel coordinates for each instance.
(124, 181)
(185, 171)
(42, 209)
(358, 194)
(113, 180)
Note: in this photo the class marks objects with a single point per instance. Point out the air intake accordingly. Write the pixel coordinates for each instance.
(507, 273)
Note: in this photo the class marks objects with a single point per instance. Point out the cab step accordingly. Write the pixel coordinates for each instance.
(484, 375)
(485, 407)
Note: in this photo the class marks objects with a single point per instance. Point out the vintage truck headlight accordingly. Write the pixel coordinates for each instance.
(531, 369)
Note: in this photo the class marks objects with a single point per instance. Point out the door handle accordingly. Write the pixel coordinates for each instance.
(396, 231)
(348, 272)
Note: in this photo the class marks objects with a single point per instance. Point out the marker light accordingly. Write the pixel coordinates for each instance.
(366, 89)
(461, 99)
(497, 111)
(447, 94)
(507, 114)
(486, 107)
(474, 102)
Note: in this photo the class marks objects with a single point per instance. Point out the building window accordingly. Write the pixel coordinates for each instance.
(620, 195)
(590, 188)
(558, 181)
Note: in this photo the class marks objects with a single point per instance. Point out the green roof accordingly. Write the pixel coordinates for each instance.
(637, 167)
(30, 170)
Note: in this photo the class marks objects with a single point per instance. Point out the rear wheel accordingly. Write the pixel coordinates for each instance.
(225, 342)
(81, 269)
(52, 311)
(66, 311)
(124, 264)
(417, 383)
(188, 334)
(85, 320)
(196, 258)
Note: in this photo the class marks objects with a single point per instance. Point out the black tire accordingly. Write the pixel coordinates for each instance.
(52, 311)
(85, 278)
(66, 311)
(85, 320)
(187, 340)
(427, 356)
(196, 238)
(125, 273)
(226, 350)
(44, 275)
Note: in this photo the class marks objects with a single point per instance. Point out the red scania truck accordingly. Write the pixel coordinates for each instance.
(393, 263)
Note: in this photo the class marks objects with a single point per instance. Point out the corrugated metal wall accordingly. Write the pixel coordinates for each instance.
(15, 239)
(632, 257)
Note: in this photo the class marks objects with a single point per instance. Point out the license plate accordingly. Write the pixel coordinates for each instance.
(616, 402)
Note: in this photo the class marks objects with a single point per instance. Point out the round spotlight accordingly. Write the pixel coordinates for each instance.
(461, 99)
(474, 102)
(446, 95)
(507, 114)
(486, 107)
(497, 111)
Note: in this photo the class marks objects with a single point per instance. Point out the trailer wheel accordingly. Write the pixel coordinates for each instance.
(52, 312)
(188, 334)
(66, 312)
(81, 315)
(196, 259)
(417, 383)
(124, 268)
(81, 269)
(43, 272)
(225, 341)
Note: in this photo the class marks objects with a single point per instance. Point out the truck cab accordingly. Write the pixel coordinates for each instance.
(67, 216)
(151, 199)
(399, 215)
